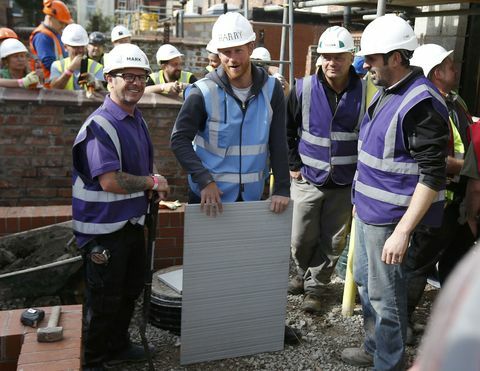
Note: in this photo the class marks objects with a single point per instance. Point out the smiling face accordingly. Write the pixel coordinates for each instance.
(95, 50)
(125, 94)
(335, 66)
(236, 64)
(172, 69)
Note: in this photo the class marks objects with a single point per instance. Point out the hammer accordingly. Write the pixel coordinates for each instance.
(52, 332)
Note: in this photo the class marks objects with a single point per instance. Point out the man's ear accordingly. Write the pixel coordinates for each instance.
(251, 46)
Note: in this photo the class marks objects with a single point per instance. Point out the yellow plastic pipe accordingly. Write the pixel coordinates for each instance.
(350, 288)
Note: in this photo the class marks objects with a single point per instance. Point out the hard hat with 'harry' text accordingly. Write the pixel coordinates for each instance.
(232, 29)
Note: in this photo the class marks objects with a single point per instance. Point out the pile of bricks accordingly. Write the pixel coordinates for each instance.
(20, 350)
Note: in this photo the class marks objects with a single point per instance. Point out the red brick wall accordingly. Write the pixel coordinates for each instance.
(37, 130)
(168, 245)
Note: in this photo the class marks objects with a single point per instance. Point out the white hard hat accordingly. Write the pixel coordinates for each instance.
(126, 56)
(75, 35)
(11, 46)
(385, 34)
(261, 54)
(210, 48)
(428, 56)
(167, 52)
(120, 32)
(335, 39)
(232, 29)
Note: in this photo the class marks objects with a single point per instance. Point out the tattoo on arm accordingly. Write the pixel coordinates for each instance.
(131, 183)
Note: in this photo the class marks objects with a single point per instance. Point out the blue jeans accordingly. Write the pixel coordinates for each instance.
(382, 289)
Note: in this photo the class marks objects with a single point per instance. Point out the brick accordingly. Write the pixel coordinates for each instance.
(25, 223)
(68, 342)
(72, 364)
(11, 225)
(10, 347)
(170, 252)
(47, 355)
(162, 243)
(171, 232)
(163, 263)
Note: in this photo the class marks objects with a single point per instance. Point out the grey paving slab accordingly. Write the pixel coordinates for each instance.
(235, 276)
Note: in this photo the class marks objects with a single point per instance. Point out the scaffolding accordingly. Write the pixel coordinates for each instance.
(138, 17)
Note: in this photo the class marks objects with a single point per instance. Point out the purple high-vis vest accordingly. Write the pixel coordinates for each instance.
(94, 210)
(387, 174)
(328, 142)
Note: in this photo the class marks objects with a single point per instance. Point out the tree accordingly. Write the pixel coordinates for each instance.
(100, 23)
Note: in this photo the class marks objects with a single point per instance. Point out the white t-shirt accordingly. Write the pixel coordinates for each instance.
(242, 94)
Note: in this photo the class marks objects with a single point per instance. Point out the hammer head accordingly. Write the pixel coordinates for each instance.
(49, 334)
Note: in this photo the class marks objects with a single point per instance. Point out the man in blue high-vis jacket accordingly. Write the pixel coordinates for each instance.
(235, 118)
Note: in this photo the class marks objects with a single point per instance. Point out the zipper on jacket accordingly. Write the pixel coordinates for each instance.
(244, 106)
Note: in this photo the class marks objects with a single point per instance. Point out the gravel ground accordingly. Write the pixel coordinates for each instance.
(323, 338)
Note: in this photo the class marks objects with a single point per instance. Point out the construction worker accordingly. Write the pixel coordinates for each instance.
(235, 118)
(96, 46)
(7, 33)
(398, 184)
(262, 58)
(213, 59)
(323, 114)
(77, 71)
(45, 40)
(448, 243)
(15, 72)
(471, 170)
(120, 35)
(171, 79)
(110, 199)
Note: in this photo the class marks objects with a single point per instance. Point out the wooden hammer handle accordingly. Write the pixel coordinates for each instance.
(54, 316)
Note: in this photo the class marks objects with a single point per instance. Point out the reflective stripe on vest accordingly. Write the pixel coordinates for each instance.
(93, 67)
(388, 162)
(79, 191)
(158, 78)
(336, 132)
(233, 136)
(387, 174)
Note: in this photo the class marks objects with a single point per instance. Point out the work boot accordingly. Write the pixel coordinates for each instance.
(134, 353)
(311, 304)
(357, 357)
(295, 286)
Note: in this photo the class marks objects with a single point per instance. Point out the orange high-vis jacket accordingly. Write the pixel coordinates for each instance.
(58, 47)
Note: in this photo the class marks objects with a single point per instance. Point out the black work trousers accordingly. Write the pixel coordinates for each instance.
(111, 292)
